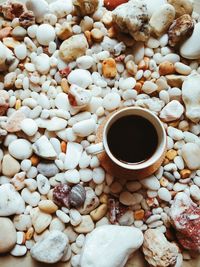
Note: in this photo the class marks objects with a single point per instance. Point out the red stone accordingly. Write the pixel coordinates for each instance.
(116, 210)
(65, 72)
(112, 4)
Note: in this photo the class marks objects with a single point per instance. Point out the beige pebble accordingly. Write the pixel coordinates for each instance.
(162, 19)
(182, 68)
(8, 235)
(166, 67)
(86, 226)
(109, 68)
(65, 31)
(47, 206)
(182, 7)
(97, 35)
(14, 122)
(40, 220)
(10, 166)
(171, 154)
(185, 173)
(10, 42)
(175, 80)
(99, 212)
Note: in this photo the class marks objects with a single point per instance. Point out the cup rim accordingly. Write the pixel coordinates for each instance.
(153, 159)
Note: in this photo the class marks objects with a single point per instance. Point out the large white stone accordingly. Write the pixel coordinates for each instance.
(84, 128)
(191, 47)
(43, 148)
(73, 154)
(80, 77)
(191, 97)
(20, 149)
(152, 6)
(172, 111)
(61, 8)
(11, 201)
(110, 245)
(45, 34)
(191, 155)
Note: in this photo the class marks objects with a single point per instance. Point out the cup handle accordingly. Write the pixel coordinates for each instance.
(95, 148)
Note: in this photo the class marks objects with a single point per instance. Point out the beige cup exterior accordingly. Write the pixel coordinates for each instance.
(162, 139)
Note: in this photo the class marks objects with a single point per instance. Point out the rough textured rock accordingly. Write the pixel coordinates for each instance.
(157, 250)
(191, 97)
(181, 28)
(51, 248)
(182, 6)
(86, 7)
(185, 216)
(133, 18)
(111, 236)
(172, 111)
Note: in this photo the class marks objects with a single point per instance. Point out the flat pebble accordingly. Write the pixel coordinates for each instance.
(72, 176)
(174, 133)
(111, 101)
(164, 194)
(73, 155)
(151, 183)
(29, 127)
(80, 77)
(84, 128)
(86, 225)
(195, 192)
(10, 166)
(20, 51)
(98, 175)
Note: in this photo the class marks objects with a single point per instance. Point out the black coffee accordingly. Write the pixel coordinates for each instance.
(132, 139)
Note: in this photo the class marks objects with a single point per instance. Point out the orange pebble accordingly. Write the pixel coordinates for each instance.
(138, 87)
(5, 32)
(29, 233)
(185, 173)
(166, 67)
(139, 214)
(63, 146)
(112, 4)
(35, 160)
(109, 68)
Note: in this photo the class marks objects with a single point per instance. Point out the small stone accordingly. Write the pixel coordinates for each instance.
(171, 154)
(45, 34)
(39, 8)
(133, 18)
(79, 97)
(109, 68)
(43, 148)
(18, 251)
(80, 77)
(162, 18)
(77, 196)
(73, 47)
(195, 192)
(164, 194)
(190, 154)
(27, 19)
(61, 8)
(86, 225)
(166, 67)
(42, 63)
(139, 215)
(85, 62)
(111, 101)
(14, 121)
(112, 236)
(61, 195)
(11, 201)
(84, 128)
(56, 124)
(175, 80)
(91, 201)
(8, 235)
(181, 28)
(47, 169)
(29, 127)
(50, 249)
(22, 222)
(5, 32)
(65, 31)
(10, 166)
(85, 8)
(182, 68)
(185, 173)
(175, 134)
(97, 35)
(10, 42)
(149, 87)
(192, 100)
(182, 7)
(172, 111)
(73, 155)
(158, 250)
(72, 176)
(20, 51)
(18, 180)
(20, 149)
(47, 206)
(40, 220)
(151, 183)
(99, 212)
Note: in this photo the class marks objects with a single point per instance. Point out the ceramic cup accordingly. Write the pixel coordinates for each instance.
(153, 119)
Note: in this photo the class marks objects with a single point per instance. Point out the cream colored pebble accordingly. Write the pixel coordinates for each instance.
(182, 68)
(62, 216)
(47, 206)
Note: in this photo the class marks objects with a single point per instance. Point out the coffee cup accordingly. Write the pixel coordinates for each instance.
(148, 146)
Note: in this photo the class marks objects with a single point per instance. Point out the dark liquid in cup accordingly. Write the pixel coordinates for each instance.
(132, 139)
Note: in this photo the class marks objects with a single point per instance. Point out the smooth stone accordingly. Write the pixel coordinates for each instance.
(151, 183)
(43, 148)
(162, 18)
(111, 236)
(85, 62)
(152, 6)
(39, 8)
(191, 47)
(40, 220)
(8, 235)
(80, 77)
(50, 249)
(73, 47)
(84, 128)
(10, 166)
(79, 97)
(47, 169)
(45, 34)
(111, 101)
(14, 121)
(42, 63)
(73, 155)
(11, 201)
(56, 124)
(164, 194)
(195, 192)
(182, 7)
(172, 111)
(19, 32)
(86, 225)
(29, 127)
(91, 201)
(191, 97)
(20, 51)
(20, 149)
(61, 8)
(190, 154)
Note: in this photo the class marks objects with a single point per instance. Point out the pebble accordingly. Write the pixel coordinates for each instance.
(22, 222)
(80, 77)
(84, 128)
(43, 148)
(18, 251)
(162, 18)
(164, 194)
(174, 133)
(8, 235)
(29, 127)
(85, 62)
(47, 169)
(75, 217)
(72, 176)
(20, 51)
(182, 68)
(111, 101)
(10, 166)
(14, 122)
(73, 155)
(111, 236)
(190, 49)
(56, 124)
(40, 220)
(20, 149)
(47, 206)
(45, 34)
(50, 249)
(149, 87)
(182, 7)
(42, 63)
(195, 192)
(11, 201)
(172, 111)
(98, 175)
(151, 183)
(62, 216)
(86, 225)
(190, 153)
(73, 48)
(43, 184)
(60, 8)
(178, 160)
(39, 9)
(99, 212)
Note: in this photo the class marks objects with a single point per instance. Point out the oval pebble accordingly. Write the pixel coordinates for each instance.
(111, 101)
(72, 176)
(80, 77)
(45, 34)
(182, 68)
(164, 194)
(85, 62)
(151, 183)
(29, 127)
(98, 175)
(20, 149)
(20, 51)
(84, 128)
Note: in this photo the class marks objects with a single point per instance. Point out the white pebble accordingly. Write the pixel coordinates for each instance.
(29, 127)
(20, 149)
(72, 176)
(111, 101)
(45, 34)
(164, 194)
(98, 175)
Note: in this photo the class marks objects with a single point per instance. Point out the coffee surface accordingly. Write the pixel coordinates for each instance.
(132, 139)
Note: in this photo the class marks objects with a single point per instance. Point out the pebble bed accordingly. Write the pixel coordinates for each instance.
(62, 72)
